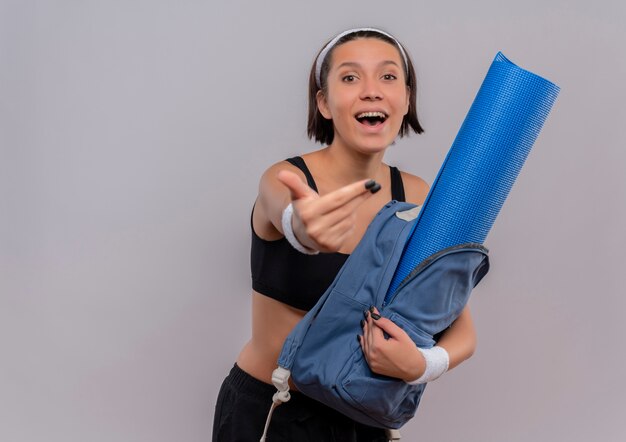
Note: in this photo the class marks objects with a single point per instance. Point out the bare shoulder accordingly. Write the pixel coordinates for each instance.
(270, 186)
(415, 188)
(269, 176)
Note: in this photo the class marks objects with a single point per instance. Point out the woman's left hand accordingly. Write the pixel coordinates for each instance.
(396, 356)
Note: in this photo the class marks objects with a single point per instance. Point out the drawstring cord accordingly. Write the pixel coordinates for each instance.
(278, 398)
(280, 378)
(393, 435)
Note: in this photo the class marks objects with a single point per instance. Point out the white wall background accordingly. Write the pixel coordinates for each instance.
(132, 136)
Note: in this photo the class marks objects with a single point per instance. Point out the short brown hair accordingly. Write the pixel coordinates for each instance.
(319, 128)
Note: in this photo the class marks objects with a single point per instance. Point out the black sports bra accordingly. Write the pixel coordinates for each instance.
(282, 273)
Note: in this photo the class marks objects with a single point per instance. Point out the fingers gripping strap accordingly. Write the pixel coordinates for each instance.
(291, 237)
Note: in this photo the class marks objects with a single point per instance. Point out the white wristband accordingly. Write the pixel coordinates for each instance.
(291, 237)
(437, 362)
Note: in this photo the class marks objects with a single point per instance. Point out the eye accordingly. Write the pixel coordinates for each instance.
(348, 78)
(389, 77)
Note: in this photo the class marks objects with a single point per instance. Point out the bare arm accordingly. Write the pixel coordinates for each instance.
(459, 339)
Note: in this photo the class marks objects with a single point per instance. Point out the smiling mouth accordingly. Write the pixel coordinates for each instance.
(371, 118)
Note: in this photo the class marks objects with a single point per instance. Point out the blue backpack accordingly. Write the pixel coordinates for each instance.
(322, 354)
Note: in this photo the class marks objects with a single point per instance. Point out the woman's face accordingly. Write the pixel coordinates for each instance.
(367, 96)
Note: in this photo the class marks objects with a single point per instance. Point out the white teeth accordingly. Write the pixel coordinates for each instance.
(371, 115)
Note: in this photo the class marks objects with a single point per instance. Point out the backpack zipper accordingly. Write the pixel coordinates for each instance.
(430, 260)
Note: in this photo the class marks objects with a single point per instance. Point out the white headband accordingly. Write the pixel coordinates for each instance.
(319, 61)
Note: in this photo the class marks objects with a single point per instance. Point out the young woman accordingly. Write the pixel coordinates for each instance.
(310, 214)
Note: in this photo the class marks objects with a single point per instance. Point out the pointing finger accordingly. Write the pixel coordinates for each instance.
(357, 192)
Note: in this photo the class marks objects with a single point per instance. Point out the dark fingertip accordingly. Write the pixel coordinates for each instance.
(372, 308)
(370, 184)
(375, 188)
(366, 313)
(358, 338)
(362, 323)
(375, 316)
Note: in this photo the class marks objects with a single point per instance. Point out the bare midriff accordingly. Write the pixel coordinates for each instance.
(272, 321)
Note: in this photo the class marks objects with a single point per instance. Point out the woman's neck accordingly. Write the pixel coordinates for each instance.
(344, 166)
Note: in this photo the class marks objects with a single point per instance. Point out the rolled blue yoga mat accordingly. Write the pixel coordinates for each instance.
(482, 164)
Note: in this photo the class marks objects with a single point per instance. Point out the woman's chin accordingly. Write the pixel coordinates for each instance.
(374, 145)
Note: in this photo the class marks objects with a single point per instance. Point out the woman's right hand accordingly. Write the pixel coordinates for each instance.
(324, 223)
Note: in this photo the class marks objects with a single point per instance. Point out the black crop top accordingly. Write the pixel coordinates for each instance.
(281, 272)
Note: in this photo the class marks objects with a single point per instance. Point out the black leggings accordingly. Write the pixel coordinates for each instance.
(243, 403)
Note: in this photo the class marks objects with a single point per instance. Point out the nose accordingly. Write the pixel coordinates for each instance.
(371, 90)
